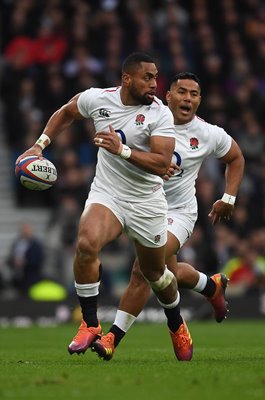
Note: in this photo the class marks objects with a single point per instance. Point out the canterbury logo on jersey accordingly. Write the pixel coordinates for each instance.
(104, 113)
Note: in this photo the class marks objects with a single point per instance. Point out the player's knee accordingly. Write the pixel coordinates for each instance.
(86, 249)
(138, 280)
(163, 282)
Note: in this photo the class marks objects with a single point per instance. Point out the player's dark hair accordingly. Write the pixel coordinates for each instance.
(186, 75)
(133, 61)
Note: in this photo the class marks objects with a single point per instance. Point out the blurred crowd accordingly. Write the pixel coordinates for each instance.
(53, 49)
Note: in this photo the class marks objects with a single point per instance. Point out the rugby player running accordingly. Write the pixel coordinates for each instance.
(195, 141)
(136, 139)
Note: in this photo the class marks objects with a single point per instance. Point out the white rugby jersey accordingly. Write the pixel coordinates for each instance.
(135, 125)
(194, 142)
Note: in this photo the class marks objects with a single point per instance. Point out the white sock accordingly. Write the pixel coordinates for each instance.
(200, 285)
(124, 320)
(87, 289)
(172, 305)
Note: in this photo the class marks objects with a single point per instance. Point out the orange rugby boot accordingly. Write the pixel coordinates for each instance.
(182, 343)
(218, 300)
(84, 337)
(104, 347)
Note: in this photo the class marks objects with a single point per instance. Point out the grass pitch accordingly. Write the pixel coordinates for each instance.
(228, 363)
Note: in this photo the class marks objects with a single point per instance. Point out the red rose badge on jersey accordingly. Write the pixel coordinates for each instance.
(194, 143)
(139, 120)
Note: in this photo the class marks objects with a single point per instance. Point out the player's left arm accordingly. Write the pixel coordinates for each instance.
(156, 162)
(234, 171)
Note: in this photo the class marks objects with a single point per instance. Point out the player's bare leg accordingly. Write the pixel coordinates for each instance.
(164, 285)
(166, 290)
(136, 294)
(212, 287)
(98, 226)
(138, 291)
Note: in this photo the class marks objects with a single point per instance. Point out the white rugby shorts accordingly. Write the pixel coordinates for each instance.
(181, 221)
(145, 222)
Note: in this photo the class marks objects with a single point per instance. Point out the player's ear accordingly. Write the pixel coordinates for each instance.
(126, 79)
(168, 96)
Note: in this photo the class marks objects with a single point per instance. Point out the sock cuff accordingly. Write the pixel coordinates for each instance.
(124, 320)
(200, 285)
(87, 289)
(163, 282)
(171, 305)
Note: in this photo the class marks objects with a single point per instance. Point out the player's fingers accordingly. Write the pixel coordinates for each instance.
(215, 220)
(99, 140)
(211, 217)
(170, 171)
(176, 167)
(112, 130)
(24, 155)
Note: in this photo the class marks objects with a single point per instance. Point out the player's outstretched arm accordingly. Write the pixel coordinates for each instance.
(59, 121)
(223, 208)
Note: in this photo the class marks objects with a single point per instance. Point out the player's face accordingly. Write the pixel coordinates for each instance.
(142, 84)
(183, 100)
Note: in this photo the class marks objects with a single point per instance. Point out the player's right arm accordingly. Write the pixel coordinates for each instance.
(57, 123)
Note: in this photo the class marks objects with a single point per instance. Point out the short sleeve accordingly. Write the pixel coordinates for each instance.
(164, 124)
(84, 102)
(222, 141)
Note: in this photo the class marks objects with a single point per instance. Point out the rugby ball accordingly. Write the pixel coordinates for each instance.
(36, 174)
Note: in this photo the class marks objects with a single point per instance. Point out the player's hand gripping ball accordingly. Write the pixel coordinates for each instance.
(36, 174)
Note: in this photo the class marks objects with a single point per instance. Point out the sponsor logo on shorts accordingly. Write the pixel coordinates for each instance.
(170, 221)
(194, 143)
(157, 238)
(104, 113)
(139, 120)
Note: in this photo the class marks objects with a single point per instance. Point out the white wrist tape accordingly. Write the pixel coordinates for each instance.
(43, 141)
(229, 199)
(125, 152)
